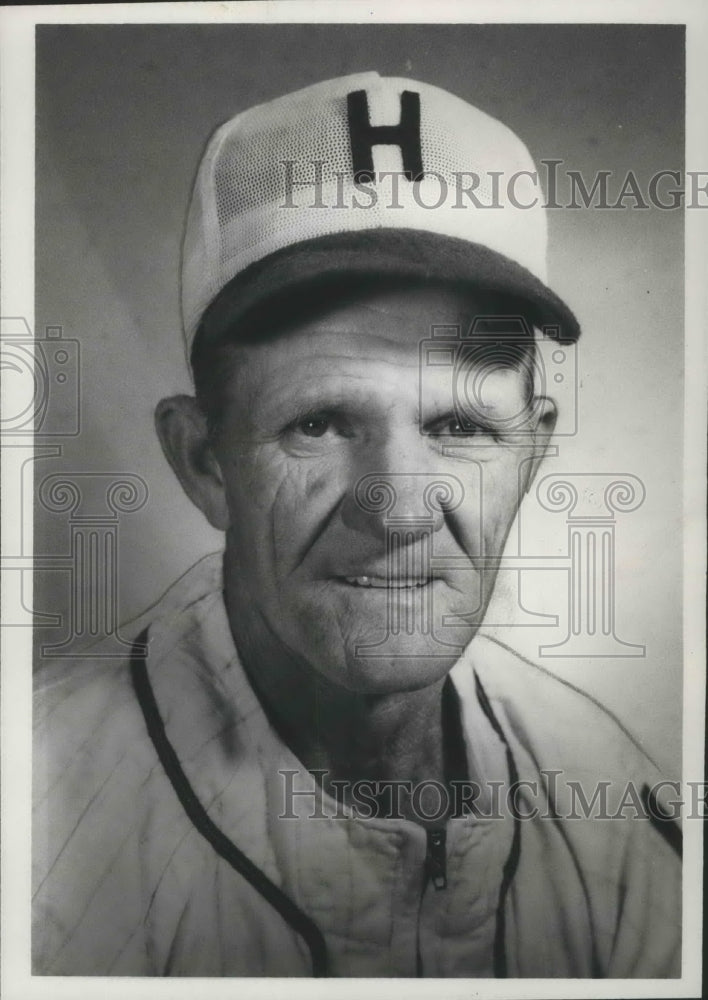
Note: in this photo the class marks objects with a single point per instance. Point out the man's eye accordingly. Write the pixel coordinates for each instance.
(314, 426)
(455, 427)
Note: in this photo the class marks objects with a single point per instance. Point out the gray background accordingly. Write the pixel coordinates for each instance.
(123, 113)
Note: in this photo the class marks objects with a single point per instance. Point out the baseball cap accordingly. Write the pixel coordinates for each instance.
(363, 175)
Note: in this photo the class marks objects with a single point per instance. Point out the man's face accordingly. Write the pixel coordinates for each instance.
(364, 519)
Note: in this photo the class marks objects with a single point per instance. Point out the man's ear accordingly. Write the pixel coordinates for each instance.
(545, 417)
(182, 429)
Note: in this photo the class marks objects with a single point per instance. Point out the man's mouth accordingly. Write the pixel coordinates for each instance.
(386, 583)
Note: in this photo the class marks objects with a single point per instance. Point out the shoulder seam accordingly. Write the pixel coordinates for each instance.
(584, 694)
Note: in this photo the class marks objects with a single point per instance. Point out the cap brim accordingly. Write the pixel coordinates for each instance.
(378, 254)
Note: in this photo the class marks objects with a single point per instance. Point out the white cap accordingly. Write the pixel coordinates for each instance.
(279, 200)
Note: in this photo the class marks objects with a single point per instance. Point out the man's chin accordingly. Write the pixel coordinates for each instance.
(371, 641)
(403, 662)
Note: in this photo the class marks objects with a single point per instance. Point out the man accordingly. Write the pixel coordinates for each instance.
(308, 767)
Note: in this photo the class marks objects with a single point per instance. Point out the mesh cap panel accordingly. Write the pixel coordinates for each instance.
(282, 173)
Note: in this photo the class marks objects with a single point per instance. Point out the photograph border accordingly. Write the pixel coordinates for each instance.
(17, 123)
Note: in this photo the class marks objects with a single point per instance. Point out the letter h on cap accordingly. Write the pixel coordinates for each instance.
(364, 136)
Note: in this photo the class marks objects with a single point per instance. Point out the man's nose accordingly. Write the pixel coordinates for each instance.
(393, 492)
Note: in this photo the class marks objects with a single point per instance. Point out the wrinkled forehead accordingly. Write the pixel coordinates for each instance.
(392, 339)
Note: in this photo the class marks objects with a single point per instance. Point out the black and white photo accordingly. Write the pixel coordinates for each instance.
(348, 433)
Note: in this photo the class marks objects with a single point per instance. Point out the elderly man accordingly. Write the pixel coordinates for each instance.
(308, 767)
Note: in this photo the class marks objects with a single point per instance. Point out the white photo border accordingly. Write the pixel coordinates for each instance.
(17, 215)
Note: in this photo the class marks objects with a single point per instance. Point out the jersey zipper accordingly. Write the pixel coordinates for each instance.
(436, 858)
(435, 872)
